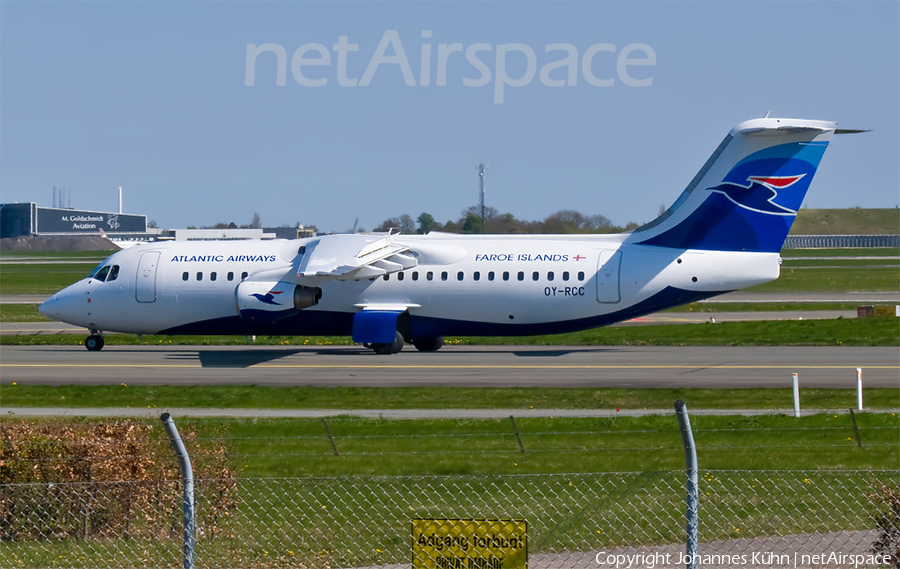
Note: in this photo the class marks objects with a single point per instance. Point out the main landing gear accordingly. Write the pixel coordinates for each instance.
(94, 342)
(421, 344)
(392, 348)
(429, 344)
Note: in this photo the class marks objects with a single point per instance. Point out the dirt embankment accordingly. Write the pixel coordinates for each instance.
(29, 244)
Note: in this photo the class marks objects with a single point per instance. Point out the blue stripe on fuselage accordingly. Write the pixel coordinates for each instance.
(320, 323)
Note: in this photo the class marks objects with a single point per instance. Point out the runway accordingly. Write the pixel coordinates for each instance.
(469, 366)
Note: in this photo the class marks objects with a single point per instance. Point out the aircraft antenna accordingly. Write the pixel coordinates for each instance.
(481, 168)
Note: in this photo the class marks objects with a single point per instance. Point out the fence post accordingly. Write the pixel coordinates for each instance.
(187, 476)
(330, 438)
(692, 499)
(796, 394)
(518, 436)
(859, 389)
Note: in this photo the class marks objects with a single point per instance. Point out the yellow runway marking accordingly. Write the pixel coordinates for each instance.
(383, 366)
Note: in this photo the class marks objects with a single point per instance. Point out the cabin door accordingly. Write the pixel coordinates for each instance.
(608, 268)
(145, 281)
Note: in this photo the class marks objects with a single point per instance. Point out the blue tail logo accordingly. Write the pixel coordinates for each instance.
(760, 195)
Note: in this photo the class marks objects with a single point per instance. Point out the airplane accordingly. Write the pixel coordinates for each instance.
(723, 233)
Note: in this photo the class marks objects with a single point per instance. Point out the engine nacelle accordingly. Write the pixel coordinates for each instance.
(267, 301)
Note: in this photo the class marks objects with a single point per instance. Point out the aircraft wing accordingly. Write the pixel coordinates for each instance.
(352, 257)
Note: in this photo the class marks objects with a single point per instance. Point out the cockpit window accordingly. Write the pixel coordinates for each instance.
(96, 270)
(113, 273)
(101, 274)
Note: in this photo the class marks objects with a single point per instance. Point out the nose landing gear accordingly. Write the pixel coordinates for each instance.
(94, 342)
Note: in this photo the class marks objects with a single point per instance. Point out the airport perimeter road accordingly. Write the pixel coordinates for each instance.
(472, 366)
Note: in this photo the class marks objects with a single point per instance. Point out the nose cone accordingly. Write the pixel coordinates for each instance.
(70, 305)
(50, 308)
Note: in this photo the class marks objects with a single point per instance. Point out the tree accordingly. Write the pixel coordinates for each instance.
(388, 225)
(406, 225)
(255, 223)
(426, 222)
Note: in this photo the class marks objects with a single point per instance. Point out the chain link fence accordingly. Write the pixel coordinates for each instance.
(840, 241)
(367, 521)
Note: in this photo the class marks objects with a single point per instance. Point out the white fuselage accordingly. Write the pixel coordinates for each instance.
(473, 285)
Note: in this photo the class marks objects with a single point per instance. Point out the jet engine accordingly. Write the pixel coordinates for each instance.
(268, 301)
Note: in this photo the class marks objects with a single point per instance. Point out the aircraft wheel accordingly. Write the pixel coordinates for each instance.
(392, 348)
(429, 344)
(94, 343)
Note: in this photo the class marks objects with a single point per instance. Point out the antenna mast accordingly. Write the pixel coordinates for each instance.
(481, 168)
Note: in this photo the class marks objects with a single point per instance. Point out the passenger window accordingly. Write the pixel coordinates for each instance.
(301, 250)
(444, 275)
(244, 275)
(491, 276)
(230, 275)
(113, 273)
(460, 275)
(521, 276)
(581, 275)
(199, 275)
(565, 275)
(506, 275)
(184, 276)
(386, 276)
(535, 276)
(415, 275)
(101, 274)
(429, 275)
(400, 276)
(477, 275)
(212, 276)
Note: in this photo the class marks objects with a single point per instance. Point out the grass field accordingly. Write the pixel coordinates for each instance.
(307, 397)
(18, 278)
(858, 252)
(858, 264)
(837, 332)
(21, 313)
(41, 279)
(29, 312)
(832, 280)
(427, 447)
(846, 221)
(754, 306)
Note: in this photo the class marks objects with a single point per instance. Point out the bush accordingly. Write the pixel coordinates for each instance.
(888, 523)
(111, 479)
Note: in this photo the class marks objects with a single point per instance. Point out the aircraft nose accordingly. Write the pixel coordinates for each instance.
(50, 307)
(68, 305)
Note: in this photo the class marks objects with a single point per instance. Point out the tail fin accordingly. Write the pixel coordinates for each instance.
(747, 194)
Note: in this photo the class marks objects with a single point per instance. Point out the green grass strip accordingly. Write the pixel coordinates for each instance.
(837, 332)
(307, 397)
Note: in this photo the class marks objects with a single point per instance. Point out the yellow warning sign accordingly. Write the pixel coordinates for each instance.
(469, 544)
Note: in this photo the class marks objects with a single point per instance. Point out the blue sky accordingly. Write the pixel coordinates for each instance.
(151, 96)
